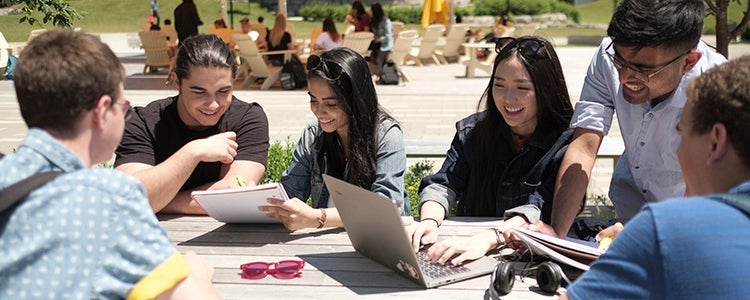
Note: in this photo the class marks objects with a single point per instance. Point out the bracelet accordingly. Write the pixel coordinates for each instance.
(499, 236)
(322, 219)
(431, 219)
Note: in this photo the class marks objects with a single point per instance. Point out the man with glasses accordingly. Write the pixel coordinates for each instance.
(640, 71)
(89, 233)
(691, 247)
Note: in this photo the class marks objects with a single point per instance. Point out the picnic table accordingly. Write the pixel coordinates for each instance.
(333, 269)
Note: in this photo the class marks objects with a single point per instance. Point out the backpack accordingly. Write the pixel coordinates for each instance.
(391, 74)
(12, 61)
(293, 74)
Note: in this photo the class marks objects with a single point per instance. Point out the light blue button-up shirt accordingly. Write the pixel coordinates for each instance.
(648, 171)
(88, 234)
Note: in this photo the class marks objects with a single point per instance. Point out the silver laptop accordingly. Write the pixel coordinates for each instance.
(374, 226)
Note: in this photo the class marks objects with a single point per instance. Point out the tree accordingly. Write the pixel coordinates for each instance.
(59, 12)
(719, 9)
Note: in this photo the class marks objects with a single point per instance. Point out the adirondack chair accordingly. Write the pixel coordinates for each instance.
(254, 64)
(5, 51)
(398, 26)
(156, 47)
(453, 42)
(359, 41)
(402, 45)
(170, 32)
(427, 46)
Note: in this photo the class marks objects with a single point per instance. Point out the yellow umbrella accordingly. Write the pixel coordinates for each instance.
(434, 10)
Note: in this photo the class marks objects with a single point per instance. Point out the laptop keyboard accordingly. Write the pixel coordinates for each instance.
(436, 270)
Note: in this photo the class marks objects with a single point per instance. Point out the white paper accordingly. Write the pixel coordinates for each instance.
(240, 205)
(532, 239)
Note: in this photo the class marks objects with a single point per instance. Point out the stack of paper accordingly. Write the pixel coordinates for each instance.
(240, 205)
(575, 253)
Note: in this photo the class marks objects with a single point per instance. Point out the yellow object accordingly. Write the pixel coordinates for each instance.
(434, 10)
(161, 279)
(241, 182)
(606, 241)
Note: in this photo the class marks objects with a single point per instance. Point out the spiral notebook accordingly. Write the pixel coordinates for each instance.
(240, 205)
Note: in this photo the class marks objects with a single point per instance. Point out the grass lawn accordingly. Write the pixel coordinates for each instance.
(129, 16)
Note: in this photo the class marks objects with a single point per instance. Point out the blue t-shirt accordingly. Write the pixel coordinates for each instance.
(89, 233)
(684, 248)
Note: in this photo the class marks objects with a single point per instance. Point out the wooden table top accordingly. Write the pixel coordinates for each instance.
(333, 269)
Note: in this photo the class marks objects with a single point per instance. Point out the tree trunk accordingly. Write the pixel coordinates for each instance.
(722, 31)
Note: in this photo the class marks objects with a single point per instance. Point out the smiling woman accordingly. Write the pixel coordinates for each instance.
(526, 108)
(351, 138)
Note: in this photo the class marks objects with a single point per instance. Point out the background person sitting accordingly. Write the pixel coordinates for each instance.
(329, 38)
(278, 39)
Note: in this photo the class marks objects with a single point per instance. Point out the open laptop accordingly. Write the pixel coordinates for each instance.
(374, 226)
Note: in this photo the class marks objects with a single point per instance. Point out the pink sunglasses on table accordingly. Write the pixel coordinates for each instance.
(285, 269)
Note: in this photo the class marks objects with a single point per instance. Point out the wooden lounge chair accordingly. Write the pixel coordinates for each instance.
(453, 41)
(5, 51)
(157, 49)
(359, 41)
(398, 26)
(254, 65)
(402, 46)
(427, 46)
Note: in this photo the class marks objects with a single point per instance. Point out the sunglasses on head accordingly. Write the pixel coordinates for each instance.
(528, 47)
(285, 269)
(331, 69)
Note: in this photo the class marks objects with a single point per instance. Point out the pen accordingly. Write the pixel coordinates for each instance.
(240, 181)
(604, 244)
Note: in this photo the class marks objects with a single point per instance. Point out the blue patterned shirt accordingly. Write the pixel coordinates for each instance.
(88, 234)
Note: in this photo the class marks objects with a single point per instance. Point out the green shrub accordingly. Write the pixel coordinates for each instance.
(404, 13)
(526, 7)
(412, 178)
(467, 10)
(317, 11)
(279, 157)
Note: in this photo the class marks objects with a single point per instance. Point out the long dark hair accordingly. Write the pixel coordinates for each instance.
(553, 114)
(330, 27)
(377, 14)
(358, 99)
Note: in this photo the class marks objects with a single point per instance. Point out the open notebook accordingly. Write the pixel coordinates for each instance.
(240, 205)
(575, 253)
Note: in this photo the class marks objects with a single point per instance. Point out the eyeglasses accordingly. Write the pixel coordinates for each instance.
(331, 69)
(285, 269)
(127, 108)
(528, 47)
(638, 74)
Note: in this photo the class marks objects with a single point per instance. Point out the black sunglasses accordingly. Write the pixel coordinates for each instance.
(331, 69)
(528, 47)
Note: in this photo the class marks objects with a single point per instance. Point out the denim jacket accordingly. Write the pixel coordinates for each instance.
(453, 182)
(303, 178)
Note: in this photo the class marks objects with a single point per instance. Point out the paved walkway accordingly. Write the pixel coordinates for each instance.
(427, 106)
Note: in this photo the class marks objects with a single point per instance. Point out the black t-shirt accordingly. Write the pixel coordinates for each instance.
(283, 45)
(155, 132)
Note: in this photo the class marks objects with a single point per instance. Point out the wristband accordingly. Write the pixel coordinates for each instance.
(322, 219)
(499, 236)
(431, 219)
